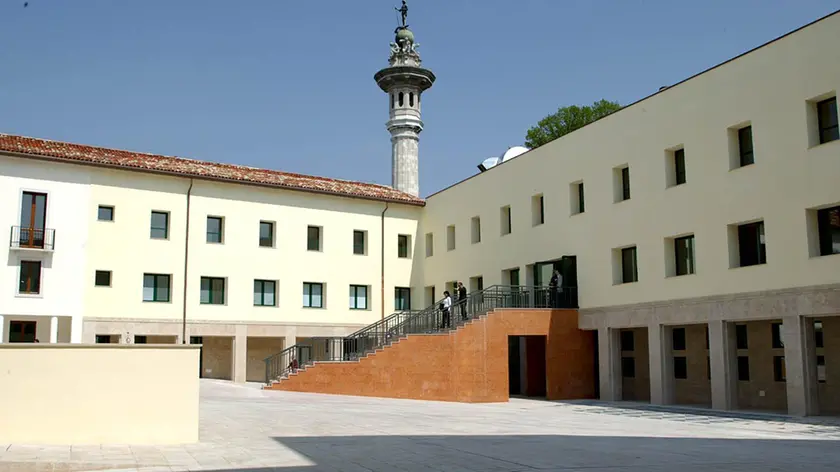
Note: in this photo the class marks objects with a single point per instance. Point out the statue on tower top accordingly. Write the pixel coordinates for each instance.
(403, 12)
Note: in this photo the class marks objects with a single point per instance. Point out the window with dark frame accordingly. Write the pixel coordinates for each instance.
(214, 229)
(678, 338)
(156, 287)
(627, 340)
(22, 331)
(741, 336)
(779, 371)
(476, 229)
(625, 183)
(402, 298)
(212, 291)
(33, 220)
(745, 146)
(30, 277)
(744, 368)
(506, 221)
(513, 274)
(752, 249)
(680, 367)
(828, 226)
(679, 166)
(102, 278)
(581, 201)
(827, 117)
(776, 336)
(538, 207)
(105, 213)
(265, 292)
(628, 367)
(708, 368)
(159, 225)
(818, 334)
(684, 255)
(103, 339)
(358, 297)
(266, 234)
(629, 269)
(359, 242)
(313, 295)
(402, 246)
(140, 339)
(313, 238)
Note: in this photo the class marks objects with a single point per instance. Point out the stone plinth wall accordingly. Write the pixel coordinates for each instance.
(467, 365)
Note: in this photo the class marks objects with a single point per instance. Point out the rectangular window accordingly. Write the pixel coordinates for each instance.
(403, 244)
(827, 117)
(212, 291)
(214, 229)
(744, 368)
(22, 331)
(751, 244)
(629, 269)
(103, 339)
(679, 166)
(504, 220)
(514, 277)
(358, 297)
(156, 287)
(537, 210)
(680, 368)
(359, 243)
(450, 238)
(828, 224)
(684, 255)
(313, 238)
(264, 293)
(708, 368)
(627, 340)
(33, 219)
(266, 234)
(818, 334)
(581, 207)
(430, 245)
(160, 225)
(476, 230)
(313, 295)
(776, 335)
(678, 337)
(625, 183)
(139, 339)
(30, 277)
(102, 278)
(741, 337)
(628, 367)
(745, 146)
(402, 298)
(779, 372)
(105, 213)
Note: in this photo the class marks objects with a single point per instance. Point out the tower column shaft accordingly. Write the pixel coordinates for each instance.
(405, 156)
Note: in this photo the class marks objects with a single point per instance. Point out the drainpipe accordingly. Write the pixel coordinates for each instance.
(186, 261)
(382, 259)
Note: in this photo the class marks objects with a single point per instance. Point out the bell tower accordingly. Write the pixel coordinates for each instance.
(404, 80)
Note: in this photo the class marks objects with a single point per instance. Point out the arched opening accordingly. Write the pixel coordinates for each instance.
(401, 99)
(411, 99)
(392, 100)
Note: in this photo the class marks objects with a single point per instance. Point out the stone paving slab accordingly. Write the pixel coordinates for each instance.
(245, 428)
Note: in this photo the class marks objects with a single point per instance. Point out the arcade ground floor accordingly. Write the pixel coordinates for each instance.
(230, 351)
(768, 351)
(39, 328)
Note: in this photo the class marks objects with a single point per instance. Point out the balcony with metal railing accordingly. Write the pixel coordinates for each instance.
(39, 239)
(430, 320)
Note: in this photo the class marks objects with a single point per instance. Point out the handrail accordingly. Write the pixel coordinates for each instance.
(429, 320)
(25, 237)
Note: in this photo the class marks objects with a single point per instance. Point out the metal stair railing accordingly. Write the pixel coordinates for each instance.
(427, 321)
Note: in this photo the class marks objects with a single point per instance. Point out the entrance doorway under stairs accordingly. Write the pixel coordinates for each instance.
(526, 366)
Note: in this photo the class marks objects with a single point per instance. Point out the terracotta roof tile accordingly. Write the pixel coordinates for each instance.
(56, 150)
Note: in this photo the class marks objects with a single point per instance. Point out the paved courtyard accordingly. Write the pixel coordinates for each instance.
(244, 428)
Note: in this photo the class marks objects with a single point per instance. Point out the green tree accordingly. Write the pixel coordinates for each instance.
(566, 120)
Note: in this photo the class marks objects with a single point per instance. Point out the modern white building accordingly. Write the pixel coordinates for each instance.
(698, 231)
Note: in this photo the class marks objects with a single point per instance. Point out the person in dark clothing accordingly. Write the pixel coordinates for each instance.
(554, 288)
(462, 300)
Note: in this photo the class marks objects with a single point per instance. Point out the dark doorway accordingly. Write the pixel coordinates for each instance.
(566, 295)
(22, 331)
(199, 340)
(597, 375)
(526, 366)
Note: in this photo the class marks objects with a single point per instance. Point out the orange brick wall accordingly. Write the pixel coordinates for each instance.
(467, 365)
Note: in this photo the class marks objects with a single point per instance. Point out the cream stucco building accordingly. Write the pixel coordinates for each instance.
(698, 231)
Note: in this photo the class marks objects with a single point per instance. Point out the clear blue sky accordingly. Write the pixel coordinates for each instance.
(288, 85)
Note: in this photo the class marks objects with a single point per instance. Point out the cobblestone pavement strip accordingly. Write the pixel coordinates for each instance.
(244, 428)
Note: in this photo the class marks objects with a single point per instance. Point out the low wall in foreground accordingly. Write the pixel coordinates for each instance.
(98, 394)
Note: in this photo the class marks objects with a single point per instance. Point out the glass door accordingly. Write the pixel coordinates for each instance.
(33, 218)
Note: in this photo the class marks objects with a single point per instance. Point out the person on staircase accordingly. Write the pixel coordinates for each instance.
(462, 300)
(445, 308)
